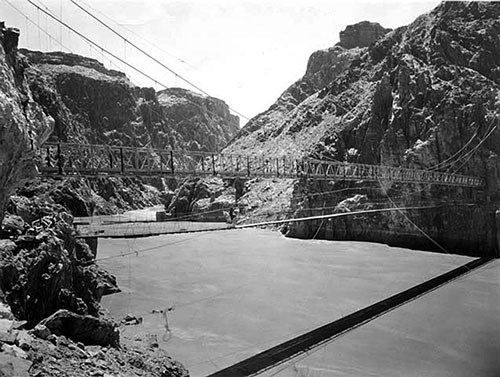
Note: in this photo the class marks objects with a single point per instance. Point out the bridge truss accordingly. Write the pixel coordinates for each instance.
(65, 159)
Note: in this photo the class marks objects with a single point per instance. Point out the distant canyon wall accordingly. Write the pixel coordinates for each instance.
(93, 104)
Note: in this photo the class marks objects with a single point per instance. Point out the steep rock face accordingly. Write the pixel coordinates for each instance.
(361, 34)
(423, 96)
(204, 123)
(87, 197)
(96, 105)
(282, 129)
(23, 124)
(93, 104)
(204, 199)
(231, 200)
(45, 268)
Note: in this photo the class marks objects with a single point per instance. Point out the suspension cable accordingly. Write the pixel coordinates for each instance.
(149, 55)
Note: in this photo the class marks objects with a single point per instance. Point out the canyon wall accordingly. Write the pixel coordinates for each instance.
(423, 96)
(96, 105)
(24, 126)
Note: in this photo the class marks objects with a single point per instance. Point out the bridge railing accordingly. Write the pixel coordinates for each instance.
(64, 159)
(87, 159)
(318, 168)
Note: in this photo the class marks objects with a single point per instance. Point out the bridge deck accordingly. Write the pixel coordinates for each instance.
(94, 160)
(145, 229)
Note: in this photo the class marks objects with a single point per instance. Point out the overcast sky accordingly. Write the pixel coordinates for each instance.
(246, 52)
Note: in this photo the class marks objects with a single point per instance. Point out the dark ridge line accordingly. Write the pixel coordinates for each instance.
(285, 351)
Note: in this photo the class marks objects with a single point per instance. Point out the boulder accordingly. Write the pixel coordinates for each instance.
(41, 331)
(83, 328)
(5, 311)
(5, 325)
(12, 349)
(24, 340)
(8, 337)
(129, 319)
(11, 365)
(13, 225)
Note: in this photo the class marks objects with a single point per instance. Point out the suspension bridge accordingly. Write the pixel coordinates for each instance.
(77, 160)
(66, 159)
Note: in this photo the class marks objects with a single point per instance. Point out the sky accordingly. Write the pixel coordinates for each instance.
(246, 52)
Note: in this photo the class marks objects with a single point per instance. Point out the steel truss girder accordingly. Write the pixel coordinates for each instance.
(88, 159)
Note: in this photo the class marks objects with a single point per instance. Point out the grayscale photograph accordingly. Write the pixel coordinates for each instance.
(234, 188)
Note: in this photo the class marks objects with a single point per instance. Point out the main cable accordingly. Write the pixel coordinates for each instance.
(149, 55)
(96, 45)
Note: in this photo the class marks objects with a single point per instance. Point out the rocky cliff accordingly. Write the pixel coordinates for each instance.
(422, 96)
(204, 123)
(24, 126)
(42, 266)
(96, 105)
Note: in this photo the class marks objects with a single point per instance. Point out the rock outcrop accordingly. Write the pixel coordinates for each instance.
(205, 199)
(101, 195)
(44, 268)
(361, 34)
(231, 200)
(83, 328)
(423, 96)
(48, 353)
(204, 123)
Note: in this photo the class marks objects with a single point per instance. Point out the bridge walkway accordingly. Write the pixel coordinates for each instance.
(65, 159)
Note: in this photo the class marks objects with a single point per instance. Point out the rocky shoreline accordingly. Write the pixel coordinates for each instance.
(48, 352)
(50, 316)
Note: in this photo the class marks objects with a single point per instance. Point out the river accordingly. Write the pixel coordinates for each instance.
(238, 292)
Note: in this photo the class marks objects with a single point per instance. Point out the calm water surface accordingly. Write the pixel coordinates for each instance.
(239, 292)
